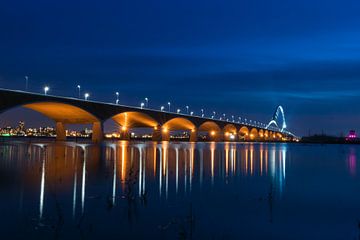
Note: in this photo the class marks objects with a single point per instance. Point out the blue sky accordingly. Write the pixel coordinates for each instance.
(237, 57)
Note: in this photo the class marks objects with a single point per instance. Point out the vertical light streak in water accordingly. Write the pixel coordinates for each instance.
(272, 162)
(123, 162)
(192, 150)
(42, 185)
(160, 171)
(212, 150)
(226, 159)
(284, 161)
(144, 176)
(154, 159)
(140, 171)
(266, 160)
(261, 159)
(114, 176)
(201, 151)
(246, 160)
(280, 171)
(83, 182)
(177, 169)
(185, 171)
(352, 162)
(166, 167)
(252, 160)
(75, 184)
(234, 160)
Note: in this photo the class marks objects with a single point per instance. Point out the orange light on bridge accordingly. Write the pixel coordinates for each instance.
(124, 128)
(213, 133)
(165, 130)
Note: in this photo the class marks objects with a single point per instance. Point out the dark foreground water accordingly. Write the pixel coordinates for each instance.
(127, 190)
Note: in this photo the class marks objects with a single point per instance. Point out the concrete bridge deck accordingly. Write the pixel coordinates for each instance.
(66, 110)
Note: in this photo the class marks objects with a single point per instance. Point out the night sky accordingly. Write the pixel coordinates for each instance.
(235, 57)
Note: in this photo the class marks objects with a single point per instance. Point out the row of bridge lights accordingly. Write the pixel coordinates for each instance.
(178, 111)
(191, 113)
(86, 95)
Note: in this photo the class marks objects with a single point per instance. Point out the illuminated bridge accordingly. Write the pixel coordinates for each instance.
(65, 110)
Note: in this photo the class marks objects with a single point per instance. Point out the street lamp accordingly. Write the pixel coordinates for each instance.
(142, 105)
(117, 97)
(169, 104)
(233, 118)
(86, 95)
(187, 110)
(162, 108)
(79, 90)
(191, 113)
(214, 113)
(178, 111)
(147, 102)
(46, 89)
(202, 112)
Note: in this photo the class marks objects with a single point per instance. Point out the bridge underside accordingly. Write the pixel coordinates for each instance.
(64, 114)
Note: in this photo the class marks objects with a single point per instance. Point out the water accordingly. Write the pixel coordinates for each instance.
(178, 191)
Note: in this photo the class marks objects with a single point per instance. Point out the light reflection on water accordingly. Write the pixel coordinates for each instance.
(156, 186)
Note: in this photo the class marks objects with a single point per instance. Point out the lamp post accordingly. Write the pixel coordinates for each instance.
(147, 102)
(79, 90)
(169, 104)
(46, 89)
(191, 113)
(86, 96)
(187, 110)
(214, 113)
(117, 98)
(202, 112)
(178, 111)
(162, 108)
(142, 105)
(233, 118)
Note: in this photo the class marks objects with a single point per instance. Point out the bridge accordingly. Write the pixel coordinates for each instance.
(67, 110)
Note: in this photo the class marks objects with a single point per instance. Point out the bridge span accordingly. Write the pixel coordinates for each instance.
(66, 110)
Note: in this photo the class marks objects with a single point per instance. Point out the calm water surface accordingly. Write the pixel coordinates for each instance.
(123, 190)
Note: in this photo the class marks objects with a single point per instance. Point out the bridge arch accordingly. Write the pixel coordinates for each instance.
(261, 133)
(244, 133)
(230, 132)
(178, 124)
(64, 113)
(212, 129)
(132, 119)
(254, 134)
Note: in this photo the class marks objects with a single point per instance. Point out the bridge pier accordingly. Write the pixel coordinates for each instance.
(156, 136)
(125, 134)
(60, 131)
(160, 134)
(230, 137)
(193, 135)
(216, 136)
(97, 132)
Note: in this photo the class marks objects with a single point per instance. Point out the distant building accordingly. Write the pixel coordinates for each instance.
(351, 136)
